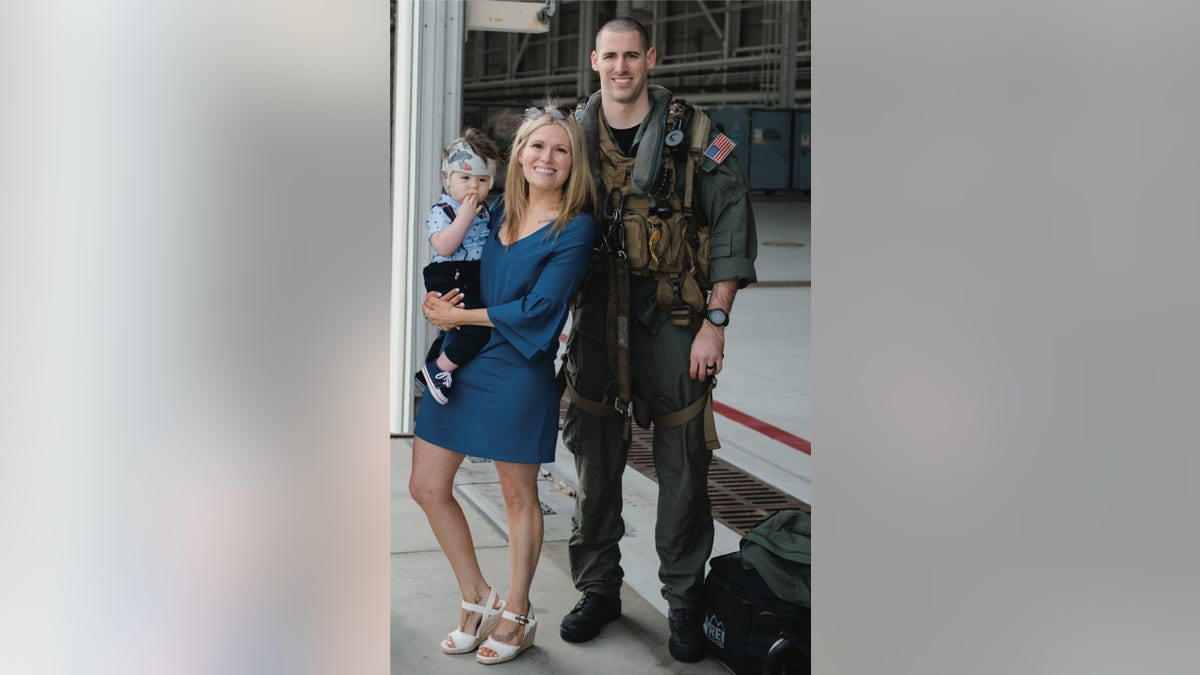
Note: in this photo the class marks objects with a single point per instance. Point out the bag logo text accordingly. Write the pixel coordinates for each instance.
(714, 630)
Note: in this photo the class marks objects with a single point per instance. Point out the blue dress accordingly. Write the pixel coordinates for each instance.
(504, 402)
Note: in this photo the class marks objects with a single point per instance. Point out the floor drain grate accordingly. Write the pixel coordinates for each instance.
(739, 501)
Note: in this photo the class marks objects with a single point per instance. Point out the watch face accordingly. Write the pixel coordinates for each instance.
(718, 317)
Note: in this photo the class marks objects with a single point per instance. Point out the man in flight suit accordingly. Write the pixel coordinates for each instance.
(677, 226)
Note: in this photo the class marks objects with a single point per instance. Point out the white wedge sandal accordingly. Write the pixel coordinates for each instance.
(465, 642)
(504, 651)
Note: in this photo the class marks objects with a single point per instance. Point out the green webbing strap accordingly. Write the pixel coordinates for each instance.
(696, 145)
(587, 405)
(624, 384)
(681, 416)
(599, 409)
(618, 313)
(624, 402)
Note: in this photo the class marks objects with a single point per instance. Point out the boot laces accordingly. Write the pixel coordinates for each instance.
(587, 603)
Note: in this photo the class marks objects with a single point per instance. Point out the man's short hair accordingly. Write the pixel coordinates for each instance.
(624, 24)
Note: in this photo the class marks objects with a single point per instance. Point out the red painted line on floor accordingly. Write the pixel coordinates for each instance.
(765, 428)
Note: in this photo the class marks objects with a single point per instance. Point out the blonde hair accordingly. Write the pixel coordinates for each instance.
(578, 193)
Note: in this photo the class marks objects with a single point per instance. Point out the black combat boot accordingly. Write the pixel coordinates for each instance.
(687, 639)
(591, 612)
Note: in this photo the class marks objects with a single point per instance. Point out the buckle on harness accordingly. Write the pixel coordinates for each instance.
(680, 312)
(623, 408)
(677, 119)
(613, 213)
(614, 207)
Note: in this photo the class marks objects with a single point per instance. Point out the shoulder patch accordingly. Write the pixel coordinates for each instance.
(720, 148)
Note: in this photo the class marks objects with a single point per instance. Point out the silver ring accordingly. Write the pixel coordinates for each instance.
(711, 366)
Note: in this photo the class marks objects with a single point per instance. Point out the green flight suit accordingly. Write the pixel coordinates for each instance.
(660, 359)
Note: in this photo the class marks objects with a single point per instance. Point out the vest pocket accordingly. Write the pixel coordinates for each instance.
(655, 246)
(680, 298)
(637, 241)
(670, 254)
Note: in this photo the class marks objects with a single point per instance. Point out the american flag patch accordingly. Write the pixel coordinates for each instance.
(720, 148)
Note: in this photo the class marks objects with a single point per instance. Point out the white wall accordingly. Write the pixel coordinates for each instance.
(429, 39)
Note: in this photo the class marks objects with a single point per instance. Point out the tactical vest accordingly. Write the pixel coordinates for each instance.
(664, 236)
(649, 229)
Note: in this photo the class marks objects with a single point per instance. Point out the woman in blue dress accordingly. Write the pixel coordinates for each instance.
(504, 404)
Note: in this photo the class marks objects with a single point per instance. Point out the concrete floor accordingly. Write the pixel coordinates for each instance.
(425, 598)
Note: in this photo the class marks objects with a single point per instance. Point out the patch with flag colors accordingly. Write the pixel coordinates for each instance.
(720, 148)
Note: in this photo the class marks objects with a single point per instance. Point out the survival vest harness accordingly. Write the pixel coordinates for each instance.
(649, 230)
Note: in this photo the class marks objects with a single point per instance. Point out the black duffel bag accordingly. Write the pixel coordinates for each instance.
(745, 622)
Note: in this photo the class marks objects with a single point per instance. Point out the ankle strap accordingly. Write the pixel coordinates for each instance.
(480, 609)
(523, 619)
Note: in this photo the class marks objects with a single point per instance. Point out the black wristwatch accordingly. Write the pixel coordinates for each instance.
(717, 317)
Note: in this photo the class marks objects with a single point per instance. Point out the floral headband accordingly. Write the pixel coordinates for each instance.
(463, 158)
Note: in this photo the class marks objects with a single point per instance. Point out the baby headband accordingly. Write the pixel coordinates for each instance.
(463, 158)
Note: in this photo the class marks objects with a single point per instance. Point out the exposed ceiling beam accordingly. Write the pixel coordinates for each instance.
(711, 20)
